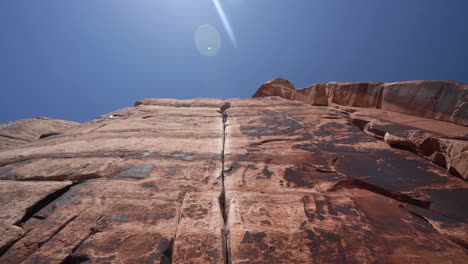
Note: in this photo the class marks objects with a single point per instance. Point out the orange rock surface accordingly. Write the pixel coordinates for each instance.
(23, 131)
(262, 180)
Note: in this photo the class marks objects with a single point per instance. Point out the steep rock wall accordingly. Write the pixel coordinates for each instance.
(439, 107)
(263, 180)
(440, 100)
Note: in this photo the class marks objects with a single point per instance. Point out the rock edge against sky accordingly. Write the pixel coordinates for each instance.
(331, 173)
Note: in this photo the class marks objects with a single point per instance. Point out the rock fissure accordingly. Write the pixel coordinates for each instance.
(266, 180)
(39, 205)
(58, 230)
(272, 140)
(10, 244)
(43, 136)
(457, 241)
(13, 137)
(355, 183)
(167, 254)
(73, 258)
(41, 243)
(31, 213)
(222, 198)
(76, 178)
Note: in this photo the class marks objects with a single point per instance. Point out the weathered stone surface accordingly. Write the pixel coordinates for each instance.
(440, 100)
(304, 185)
(443, 143)
(277, 87)
(20, 201)
(315, 94)
(377, 109)
(364, 94)
(431, 99)
(460, 114)
(15, 133)
(148, 182)
(264, 180)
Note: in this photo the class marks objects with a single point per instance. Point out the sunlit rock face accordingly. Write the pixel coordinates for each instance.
(440, 100)
(23, 131)
(262, 180)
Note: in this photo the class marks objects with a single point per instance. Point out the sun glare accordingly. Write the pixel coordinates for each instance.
(226, 24)
(207, 40)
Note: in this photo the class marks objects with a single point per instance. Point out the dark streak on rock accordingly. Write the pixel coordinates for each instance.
(39, 205)
(354, 183)
(49, 135)
(73, 258)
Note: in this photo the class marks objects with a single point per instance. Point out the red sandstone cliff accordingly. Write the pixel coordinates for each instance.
(441, 100)
(263, 180)
(23, 131)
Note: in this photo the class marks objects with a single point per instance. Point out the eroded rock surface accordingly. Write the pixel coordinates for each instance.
(15, 133)
(426, 117)
(440, 100)
(264, 180)
(304, 185)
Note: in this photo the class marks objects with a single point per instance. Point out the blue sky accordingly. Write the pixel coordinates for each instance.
(76, 60)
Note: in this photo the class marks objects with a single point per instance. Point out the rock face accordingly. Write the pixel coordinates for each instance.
(441, 100)
(263, 180)
(406, 115)
(23, 131)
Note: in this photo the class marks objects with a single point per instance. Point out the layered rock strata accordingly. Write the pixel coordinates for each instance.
(440, 100)
(264, 180)
(425, 117)
(23, 131)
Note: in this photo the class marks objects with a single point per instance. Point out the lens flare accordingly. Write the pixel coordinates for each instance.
(207, 40)
(226, 24)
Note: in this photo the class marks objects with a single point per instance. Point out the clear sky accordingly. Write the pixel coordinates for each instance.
(76, 60)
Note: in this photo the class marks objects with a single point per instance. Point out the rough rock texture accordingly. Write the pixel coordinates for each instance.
(264, 180)
(23, 131)
(441, 100)
(406, 115)
(443, 143)
(304, 185)
(276, 87)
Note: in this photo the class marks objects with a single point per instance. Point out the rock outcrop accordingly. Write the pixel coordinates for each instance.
(263, 180)
(406, 115)
(440, 100)
(15, 133)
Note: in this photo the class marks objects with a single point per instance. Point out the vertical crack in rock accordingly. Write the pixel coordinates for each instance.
(168, 253)
(222, 198)
(166, 257)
